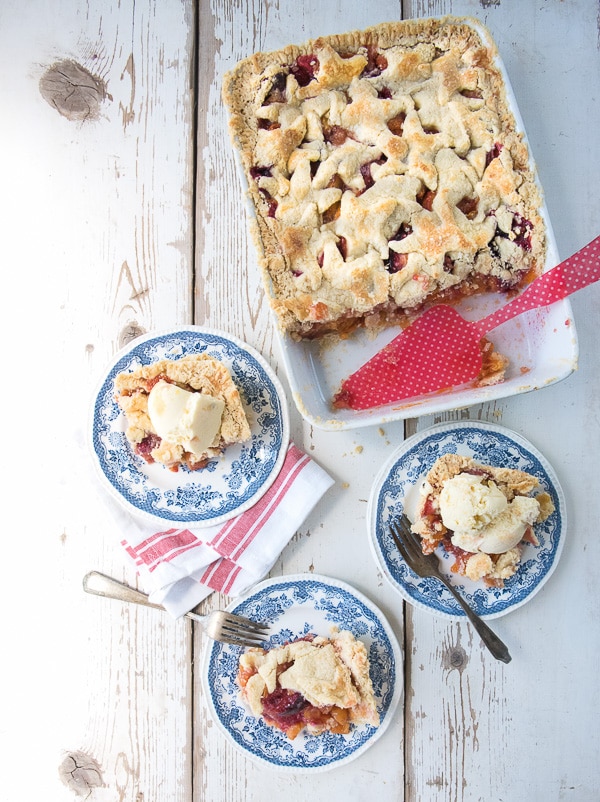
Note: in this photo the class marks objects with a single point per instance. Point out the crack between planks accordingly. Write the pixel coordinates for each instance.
(194, 91)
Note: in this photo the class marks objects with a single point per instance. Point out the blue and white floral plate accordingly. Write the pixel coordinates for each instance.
(295, 606)
(228, 485)
(396, 490)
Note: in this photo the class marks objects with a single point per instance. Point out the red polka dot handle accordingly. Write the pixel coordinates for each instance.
(575, 273)
(441, 349)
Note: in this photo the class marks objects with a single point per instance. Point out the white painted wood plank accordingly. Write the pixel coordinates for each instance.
(97, 245)
(525, 731)
(333, 539)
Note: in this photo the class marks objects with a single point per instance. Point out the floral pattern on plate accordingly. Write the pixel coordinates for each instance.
(296, 606)
(229, 484)
(396, 490)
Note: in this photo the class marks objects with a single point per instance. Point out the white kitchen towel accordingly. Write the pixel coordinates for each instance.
(180, 567)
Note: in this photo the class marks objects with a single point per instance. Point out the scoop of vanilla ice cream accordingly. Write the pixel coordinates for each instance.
(189, 420)
(467, 505)
(504, 532)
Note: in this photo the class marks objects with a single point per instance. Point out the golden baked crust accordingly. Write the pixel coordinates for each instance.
(321, 684)
(195, 373)
(492, 568)
(386, 173)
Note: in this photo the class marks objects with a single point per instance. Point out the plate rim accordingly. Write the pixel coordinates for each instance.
(397, 654)
(159, 334)
(414, 440)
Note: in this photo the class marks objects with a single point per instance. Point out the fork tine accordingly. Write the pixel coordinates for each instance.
(235, 631)
(408, 544)
(411, 537)
(239, 636)
(407, 530)
(247, 623)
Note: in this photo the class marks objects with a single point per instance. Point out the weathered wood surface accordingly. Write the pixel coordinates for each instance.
(121, 213)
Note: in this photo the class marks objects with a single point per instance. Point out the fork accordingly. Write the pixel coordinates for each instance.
(218, 625)
(427, 565)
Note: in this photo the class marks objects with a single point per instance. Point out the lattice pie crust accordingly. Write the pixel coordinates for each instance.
(386, 174)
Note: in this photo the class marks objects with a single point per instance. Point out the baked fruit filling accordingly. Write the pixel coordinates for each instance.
(386, 173)
(481, 515)
(181, 412)
(315, 684)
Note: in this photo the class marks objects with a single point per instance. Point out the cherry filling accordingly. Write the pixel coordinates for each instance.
(493, 153)
(522, 229)
(468, 206)
(146, 446)
(474, 93)
(343, 399)
(384, 93)
(277, 91)
(267, 125)
(271, 202)
(375, 65)
(264, 172)
(332, 213)
(284, 708)
(365, 171)
(260, 172)
(396, 261)
(520, 234)
(162, 377)
(461, 557)
(336, 134)
(396, 124)
(425, 197)
(304, 69)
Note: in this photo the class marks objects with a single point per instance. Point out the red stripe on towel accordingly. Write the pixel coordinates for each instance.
(236, 535)
(220, 575)
(163, 547)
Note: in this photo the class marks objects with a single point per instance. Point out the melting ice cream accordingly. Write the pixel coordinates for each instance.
(190, 420)
(481, 517)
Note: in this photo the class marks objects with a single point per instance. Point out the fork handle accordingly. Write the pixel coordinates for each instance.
(491, 640)
(102, 585)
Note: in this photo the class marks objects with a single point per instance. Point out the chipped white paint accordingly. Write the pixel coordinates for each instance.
(97, 220)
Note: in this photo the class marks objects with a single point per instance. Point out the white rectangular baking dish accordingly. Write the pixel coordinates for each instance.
(541, 345)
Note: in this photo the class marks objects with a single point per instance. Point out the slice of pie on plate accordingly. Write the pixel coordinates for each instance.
(182, 412)
(481, 514)
(315, 683)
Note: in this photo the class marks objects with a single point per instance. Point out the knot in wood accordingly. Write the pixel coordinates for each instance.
(456, 657)
(131, 332)
(73, 91)
(81, 773)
